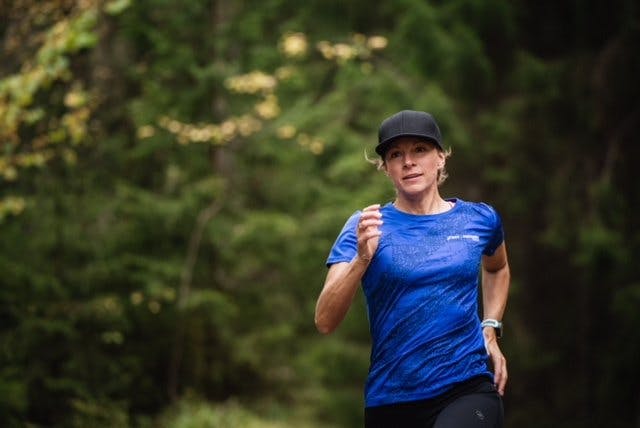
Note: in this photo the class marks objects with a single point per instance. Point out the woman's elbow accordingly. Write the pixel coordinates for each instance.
(323, 325)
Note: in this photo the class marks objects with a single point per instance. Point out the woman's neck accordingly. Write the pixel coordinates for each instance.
(432, 204)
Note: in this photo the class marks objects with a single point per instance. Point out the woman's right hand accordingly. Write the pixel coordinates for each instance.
(368, 232)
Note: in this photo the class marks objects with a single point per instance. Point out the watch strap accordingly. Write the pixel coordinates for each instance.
(497, 325)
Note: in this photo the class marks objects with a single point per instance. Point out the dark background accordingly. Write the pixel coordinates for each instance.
(165, 215)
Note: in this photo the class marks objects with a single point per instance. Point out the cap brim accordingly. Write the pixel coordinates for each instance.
(382, 148)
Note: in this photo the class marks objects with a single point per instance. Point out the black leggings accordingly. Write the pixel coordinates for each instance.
(472, 404)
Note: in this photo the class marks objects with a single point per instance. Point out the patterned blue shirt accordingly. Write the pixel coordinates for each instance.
(421, 289)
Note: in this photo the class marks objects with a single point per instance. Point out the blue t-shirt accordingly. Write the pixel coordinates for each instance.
(421, 289)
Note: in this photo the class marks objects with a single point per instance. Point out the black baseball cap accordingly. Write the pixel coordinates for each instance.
(407, 123)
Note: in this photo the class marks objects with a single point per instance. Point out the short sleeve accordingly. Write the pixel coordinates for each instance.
(497, 233)
(345, 247)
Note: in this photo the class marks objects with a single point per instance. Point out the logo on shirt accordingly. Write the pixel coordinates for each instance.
(475, 238)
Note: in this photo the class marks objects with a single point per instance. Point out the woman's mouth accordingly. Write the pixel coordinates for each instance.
(411, 176)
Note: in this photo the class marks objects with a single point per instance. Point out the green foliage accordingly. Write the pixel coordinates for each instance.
(175, 172)
(194, 413)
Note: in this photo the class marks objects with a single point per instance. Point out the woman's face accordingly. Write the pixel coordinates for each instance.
(412, 164)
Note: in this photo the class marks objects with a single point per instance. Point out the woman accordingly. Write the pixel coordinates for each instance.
(418, 260)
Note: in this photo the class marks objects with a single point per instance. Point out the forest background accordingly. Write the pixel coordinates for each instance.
(174, 172)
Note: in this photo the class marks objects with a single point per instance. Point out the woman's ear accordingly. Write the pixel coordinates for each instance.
(383, 167)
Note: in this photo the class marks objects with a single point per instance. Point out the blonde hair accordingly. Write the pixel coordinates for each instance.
(442, 172)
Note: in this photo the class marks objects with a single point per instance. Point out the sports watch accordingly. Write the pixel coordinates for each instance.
(497, 326)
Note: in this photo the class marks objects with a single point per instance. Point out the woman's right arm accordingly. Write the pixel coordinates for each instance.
(343, 278)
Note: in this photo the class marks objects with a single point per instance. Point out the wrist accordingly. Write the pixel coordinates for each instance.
(489, 335)
(491, 328)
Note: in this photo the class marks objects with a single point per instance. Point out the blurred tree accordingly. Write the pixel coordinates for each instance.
(44, 107)
(197, 159)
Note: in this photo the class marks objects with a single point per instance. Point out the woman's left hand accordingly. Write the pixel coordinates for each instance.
(498, 360)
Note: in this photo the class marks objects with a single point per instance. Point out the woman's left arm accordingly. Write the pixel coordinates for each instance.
(495, 289)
